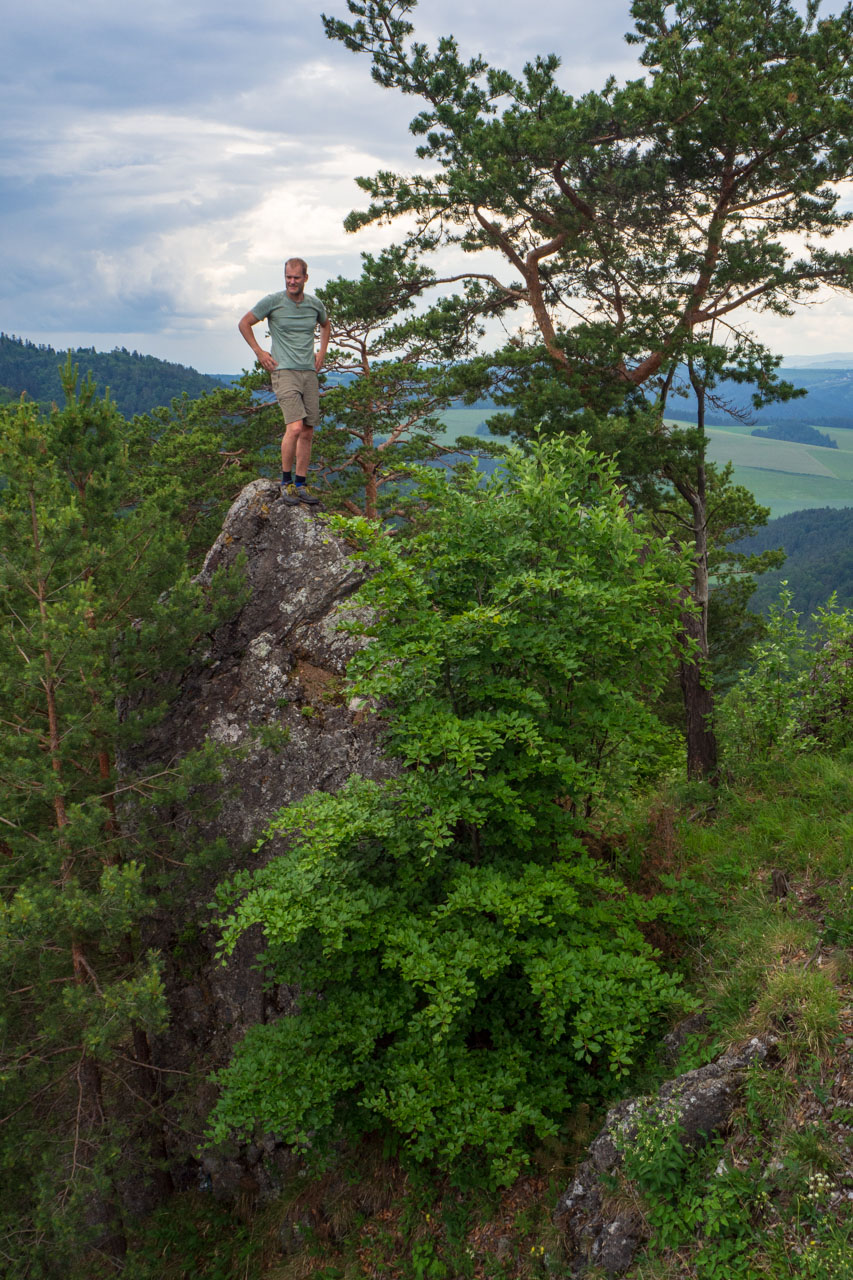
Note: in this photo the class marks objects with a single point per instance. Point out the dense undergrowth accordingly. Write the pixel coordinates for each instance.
(772, 1197)
(762, 866)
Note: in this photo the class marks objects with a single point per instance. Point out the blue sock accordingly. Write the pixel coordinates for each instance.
(287, 477)
(300, 480)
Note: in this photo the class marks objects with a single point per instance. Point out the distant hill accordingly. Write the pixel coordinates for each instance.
(829, 402)
(819, 546)
(137, 383)
(826, 360)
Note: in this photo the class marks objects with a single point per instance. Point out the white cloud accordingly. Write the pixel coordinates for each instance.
(160, 162)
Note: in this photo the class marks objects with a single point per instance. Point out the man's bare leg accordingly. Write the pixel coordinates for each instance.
(289, 440)
(304, 441)
(296, 450)
(296, 447)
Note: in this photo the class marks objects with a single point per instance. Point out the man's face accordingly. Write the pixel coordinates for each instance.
(294, 280)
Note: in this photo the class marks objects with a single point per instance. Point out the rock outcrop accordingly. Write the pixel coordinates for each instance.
(268, 683)
(275, 669)
(700, 1102)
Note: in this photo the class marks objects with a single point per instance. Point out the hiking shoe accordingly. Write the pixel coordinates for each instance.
(304, 494)
(288, 495)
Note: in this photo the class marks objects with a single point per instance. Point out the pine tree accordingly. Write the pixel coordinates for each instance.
(83, 622)
(633, 222)
(395, 368)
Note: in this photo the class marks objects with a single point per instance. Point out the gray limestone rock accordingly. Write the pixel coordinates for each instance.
(701, 1102)
(269, 680)
(614, 1247)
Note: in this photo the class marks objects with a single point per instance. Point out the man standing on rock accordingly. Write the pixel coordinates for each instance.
(293, 316)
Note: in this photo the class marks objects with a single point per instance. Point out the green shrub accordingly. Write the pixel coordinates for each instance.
(694, 1200)
(468, 968)
(798, 691)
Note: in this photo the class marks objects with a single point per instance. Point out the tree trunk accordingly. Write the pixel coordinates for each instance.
(698, 705)
(371, 492)
(694, 672)
(150, 1089)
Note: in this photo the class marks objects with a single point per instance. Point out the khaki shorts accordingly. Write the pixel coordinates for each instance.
(298, 394)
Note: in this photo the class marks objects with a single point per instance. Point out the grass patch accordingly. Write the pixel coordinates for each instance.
(772, 1199)
(788, 826)
(802, 1006)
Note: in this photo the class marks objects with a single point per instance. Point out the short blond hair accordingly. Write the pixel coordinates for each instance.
(300, 261)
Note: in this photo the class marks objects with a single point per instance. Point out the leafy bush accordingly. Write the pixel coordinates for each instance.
(467, 967)
(827, 695)
(690, 1195)
(797, 693)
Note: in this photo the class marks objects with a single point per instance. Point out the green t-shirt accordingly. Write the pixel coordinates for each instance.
(292, 325)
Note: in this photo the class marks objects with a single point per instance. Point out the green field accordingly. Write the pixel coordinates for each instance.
(788, 477)
(784, 477)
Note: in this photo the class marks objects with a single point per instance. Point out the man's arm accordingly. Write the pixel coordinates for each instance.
(320, 356)
(264, 358)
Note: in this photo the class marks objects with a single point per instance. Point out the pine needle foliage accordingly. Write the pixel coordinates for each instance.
(95, 607)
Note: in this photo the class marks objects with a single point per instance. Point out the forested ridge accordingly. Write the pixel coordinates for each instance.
(828, 401)
(137, 382)
(359, 865)
(819, 558)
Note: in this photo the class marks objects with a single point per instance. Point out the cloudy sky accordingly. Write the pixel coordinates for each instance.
(159, 162)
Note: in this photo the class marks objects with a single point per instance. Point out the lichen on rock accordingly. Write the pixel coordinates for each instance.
(701, 1102)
